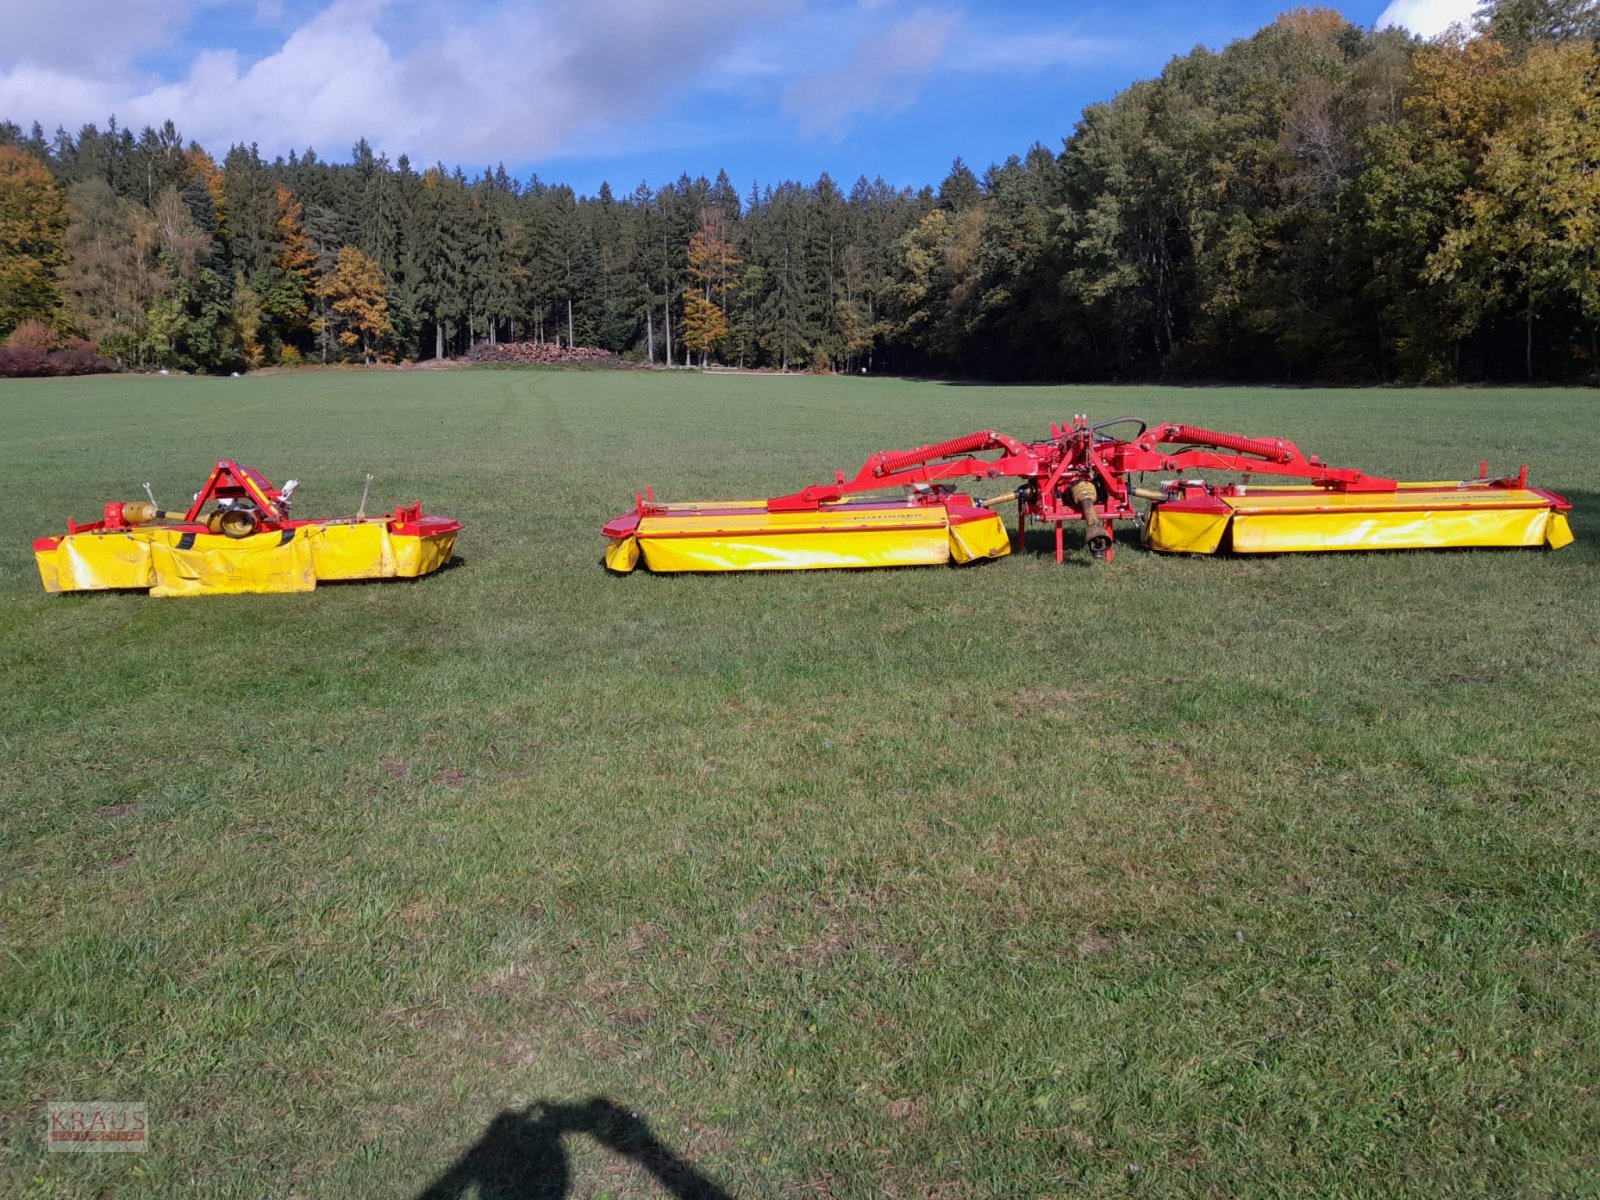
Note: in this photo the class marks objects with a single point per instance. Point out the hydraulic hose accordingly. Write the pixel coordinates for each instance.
(1098, 426)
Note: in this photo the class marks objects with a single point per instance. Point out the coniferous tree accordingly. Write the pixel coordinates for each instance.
(1315, 201)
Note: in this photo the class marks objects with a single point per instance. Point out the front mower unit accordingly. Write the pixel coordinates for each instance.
(1083, 474)
(245, 541)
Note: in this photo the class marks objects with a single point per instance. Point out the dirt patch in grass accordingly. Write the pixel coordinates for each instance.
(127, 809)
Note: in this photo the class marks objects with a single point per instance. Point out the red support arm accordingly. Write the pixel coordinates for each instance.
(1075, 454)
(1273, 456)
(986, 439)
(228, 480)
(901, 467)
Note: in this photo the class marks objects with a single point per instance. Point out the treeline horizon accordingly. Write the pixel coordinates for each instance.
(1314, 203)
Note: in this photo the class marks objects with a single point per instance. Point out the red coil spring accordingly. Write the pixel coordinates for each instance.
(1280, 452)
(901, 459)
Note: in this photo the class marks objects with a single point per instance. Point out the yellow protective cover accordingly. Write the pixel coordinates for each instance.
(742, 535)
(798, 552)
(367, 550)
(214, 565)
(1185, 532)
(175, 562)
(84, 562)
(417, 556)
(622, 555)
(986, 538)
(1416, 516)
(356, 551)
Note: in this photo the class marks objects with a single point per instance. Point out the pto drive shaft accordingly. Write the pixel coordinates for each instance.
(1096, 536)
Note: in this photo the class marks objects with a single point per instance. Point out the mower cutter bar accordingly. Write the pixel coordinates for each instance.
(1082, 473)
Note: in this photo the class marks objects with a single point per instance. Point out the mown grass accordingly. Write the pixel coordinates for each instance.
(1207, 877)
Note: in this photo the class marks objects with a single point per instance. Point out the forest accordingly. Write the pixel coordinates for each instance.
(1314, 203)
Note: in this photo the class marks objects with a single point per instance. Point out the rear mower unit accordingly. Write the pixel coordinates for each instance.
(246, 542)
(1083, 473)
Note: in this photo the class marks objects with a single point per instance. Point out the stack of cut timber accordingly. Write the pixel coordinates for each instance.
(541, 353)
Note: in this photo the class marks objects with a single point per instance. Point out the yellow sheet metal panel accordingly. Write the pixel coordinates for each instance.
(985, 538)
(1558, 533)
(211, 565)
(1185, 532)
(622, 555)
(1420, 529)
(798, 551)
(85, 562)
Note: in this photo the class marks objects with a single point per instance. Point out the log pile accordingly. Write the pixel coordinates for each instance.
(542, 354)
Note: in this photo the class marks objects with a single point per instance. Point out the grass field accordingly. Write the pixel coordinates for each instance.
(1224, 877)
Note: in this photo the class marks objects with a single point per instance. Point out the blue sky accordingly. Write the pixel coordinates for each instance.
(582, 91)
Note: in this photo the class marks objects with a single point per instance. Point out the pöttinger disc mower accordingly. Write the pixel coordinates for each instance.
(238, 536)
(1083, 473)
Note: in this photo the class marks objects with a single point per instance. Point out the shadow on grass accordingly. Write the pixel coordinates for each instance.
(521, 1155)
(1040, 542)
(456, 563)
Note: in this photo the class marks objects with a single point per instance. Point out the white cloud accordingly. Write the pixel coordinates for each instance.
(86, 33)
(1030, 51)
(884, 74)
(1429, 18)
(332, 78)
(512, 81)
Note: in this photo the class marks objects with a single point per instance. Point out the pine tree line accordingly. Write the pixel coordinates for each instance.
(1315, 202)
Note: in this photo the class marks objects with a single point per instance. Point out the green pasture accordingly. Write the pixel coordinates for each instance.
(1205, 877)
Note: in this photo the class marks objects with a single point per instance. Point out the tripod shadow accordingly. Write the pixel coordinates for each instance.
(521, 1155)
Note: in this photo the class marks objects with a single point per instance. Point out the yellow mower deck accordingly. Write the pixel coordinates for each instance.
(742, 535)
(1415, 516)
(185, 560)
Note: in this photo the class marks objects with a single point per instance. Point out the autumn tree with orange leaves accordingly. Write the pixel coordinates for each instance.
(358, 305)
(291, 283)
(1318, 201)
(714, 270)
(33, 222)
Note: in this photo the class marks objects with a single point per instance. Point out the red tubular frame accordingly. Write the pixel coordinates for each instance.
(907, 467)
(1079, 453)
(229, 481)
